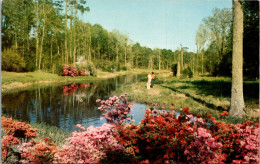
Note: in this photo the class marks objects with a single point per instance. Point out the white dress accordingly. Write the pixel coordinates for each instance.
(149, 81)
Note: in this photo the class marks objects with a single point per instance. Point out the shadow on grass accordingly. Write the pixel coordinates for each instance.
(217, 88)
(223, 88)
(209, 105)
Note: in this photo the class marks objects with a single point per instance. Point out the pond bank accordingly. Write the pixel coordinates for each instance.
(12, 80)
(203, 95)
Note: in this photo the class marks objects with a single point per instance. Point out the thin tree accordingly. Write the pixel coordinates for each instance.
(237, 99)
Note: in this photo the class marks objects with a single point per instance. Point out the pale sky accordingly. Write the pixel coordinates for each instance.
(154, 23)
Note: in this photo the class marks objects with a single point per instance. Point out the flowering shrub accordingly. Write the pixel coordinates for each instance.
(248, 151)
(88, 146)
(224, 113)
(37, 152)
(117, 109)
(162, 136)
(159, 137)
(18, 129)
(204, 149)
(16, 133)
(69, 70)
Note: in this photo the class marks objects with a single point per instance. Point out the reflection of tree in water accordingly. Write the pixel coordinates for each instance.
(62, 106)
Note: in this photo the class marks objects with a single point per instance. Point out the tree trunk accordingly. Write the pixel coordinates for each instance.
(237, 99)
(116, 55)
(36, 37)
(178, 70)
(202, 62)
(89, 48)
(66, 33)
(159, 59)
(51, 50)
(125, 55)
(181, 59)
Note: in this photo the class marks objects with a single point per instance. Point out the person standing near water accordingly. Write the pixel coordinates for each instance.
(153, 77)
(149, 79)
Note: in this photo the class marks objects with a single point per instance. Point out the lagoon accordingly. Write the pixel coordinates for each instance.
(64, 106)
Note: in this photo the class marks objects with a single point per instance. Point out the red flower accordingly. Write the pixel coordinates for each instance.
(224, 113)
(186, 110)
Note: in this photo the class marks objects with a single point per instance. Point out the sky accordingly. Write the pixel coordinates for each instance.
(154, 23)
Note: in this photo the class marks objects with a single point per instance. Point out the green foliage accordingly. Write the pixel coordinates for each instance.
(11, 61)
(124, 68)
(118, 67)
(187, 72)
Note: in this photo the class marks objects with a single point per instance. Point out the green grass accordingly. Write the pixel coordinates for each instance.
(56, 134)
(203, 95)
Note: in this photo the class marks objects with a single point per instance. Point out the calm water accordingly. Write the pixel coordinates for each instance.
(67, 105)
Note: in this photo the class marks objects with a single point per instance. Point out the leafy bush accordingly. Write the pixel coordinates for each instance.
(11, 61)
(69, 70)
(86, 67)
(161, 137)
(17, 132)
(124, 68)
(37, 152)
(187, 72)
(88, 146)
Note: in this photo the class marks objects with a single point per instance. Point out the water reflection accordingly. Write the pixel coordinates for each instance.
(65, 106)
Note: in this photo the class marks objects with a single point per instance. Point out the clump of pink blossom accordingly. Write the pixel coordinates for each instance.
(88, 146)
(205, 149)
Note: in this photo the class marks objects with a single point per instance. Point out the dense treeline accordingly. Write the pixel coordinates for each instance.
(214, 41)
(44, 34)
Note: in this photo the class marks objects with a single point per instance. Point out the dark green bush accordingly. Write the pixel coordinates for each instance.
(124, 68)
(187, 72)
(12, 61)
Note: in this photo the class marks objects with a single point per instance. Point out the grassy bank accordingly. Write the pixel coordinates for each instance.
(12, 81)
(203, 95)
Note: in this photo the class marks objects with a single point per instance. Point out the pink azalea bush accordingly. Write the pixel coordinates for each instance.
(161, 137)
(69, 70)
(37, 152)
(204, 149)
(116, 109)
(88, 146)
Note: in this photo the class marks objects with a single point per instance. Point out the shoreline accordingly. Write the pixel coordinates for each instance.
(31, 78)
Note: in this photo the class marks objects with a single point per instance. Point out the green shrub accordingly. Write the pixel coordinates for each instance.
(86, 65)
(187, 72)
(12, 61)
(124, 68)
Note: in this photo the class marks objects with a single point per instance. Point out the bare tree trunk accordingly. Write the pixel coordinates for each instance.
(202, 62)
(66, 33)
(89, 48)
(116, 55)
(237, 99)
(159, 59)
(181, 59)
(43, 35)
(37, 37)
(178, 70)
(51, 50)
(125, 55)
